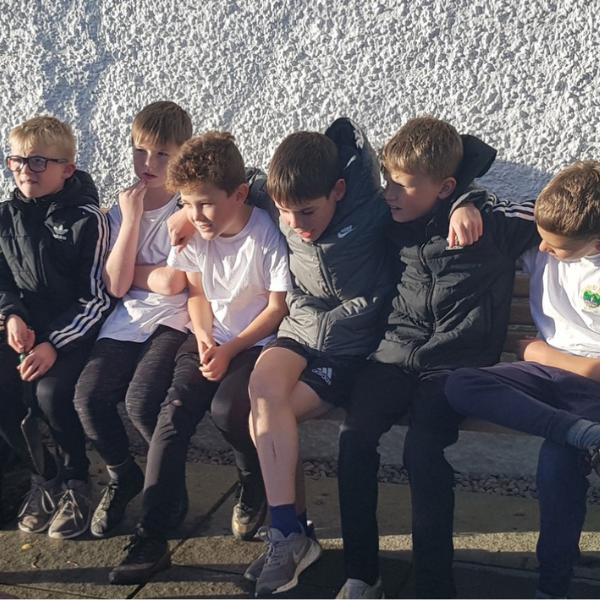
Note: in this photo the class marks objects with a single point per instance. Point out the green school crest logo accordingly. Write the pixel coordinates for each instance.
(591, 297)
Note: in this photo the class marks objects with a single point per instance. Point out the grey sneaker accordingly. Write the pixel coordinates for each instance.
(39, 504)
(252, 573)
(285, 559)
(356, 588)
(74, 511)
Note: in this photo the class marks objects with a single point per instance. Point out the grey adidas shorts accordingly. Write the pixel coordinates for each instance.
(331, 377)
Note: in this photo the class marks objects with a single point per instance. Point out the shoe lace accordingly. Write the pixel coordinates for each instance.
(69, 505)
(136, 549)
(276, 550)
(37, 497)
(109, 495)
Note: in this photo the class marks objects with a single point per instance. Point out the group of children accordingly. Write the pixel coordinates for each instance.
(385, 302)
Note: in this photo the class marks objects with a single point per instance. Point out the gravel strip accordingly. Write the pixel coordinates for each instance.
(501, 485)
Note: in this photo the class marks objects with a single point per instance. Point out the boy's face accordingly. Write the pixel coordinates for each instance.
(150, 162)
(566, 248)
(413, 196)
(311, 219)
(34, 184)
(212, 212)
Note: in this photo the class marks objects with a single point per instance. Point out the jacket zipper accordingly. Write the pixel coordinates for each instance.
(329, 285)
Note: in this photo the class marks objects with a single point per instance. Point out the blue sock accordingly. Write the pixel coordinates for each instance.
(283, 517)
(584, 434)
(302, 519)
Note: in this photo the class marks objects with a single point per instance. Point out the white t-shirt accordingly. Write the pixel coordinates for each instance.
(140, 312)
(565, 301)
(238, 273)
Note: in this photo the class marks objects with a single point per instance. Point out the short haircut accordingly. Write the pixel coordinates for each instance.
(304, 167)
(211, 157)
(45, 131)
(161, 123)
(424, 146)
(569, 205)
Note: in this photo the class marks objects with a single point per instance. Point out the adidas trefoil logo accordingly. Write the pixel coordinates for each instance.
(325, 373)
(59, 232)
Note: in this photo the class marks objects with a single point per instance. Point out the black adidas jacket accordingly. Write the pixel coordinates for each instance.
(52, 252)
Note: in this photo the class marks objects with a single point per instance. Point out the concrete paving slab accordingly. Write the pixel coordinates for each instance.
(190, 582)
(80, 567)
(7, 591)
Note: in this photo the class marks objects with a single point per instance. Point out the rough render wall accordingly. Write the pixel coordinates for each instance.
(522, 75)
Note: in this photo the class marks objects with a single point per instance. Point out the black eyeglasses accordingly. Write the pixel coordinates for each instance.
(37, 164)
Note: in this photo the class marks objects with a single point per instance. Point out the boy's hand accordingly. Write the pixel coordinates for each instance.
(20, 337)
(131, 201)
(532, 349)
(466, 226)
(215, 363)
(181, 230)
(205, 343)
(38, 361)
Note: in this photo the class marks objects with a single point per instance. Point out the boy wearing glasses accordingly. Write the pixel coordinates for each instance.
(52, 303)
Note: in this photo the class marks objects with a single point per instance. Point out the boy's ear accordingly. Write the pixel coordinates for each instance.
(597, 246)
(68, 170)
(339, 190)
(446, 188)
(242, 192)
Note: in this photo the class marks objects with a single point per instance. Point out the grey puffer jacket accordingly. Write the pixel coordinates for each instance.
(343, 280)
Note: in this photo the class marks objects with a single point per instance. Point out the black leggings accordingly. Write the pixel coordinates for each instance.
(54, 399)
(134, 372)
(190, 396)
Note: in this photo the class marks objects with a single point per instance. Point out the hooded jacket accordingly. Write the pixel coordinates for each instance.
(451, 306)
(342, 280)
(52, 252)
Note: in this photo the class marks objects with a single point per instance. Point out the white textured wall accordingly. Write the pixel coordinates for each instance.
(522, 75)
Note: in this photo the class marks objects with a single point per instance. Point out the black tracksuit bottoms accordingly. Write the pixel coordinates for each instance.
(53, 393)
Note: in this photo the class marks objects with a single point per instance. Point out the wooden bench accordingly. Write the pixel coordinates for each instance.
(521, 325)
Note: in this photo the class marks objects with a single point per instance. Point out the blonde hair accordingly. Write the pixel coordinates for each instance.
(569, 205)
(162, 123)
(209, 158)
(45, 131)
(426, 146)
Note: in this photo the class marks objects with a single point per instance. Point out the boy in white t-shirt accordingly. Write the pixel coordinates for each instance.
(555, 391)
(237, 272)
(133, 358)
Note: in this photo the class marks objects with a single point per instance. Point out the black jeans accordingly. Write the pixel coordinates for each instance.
(188, 399)
(54, 399)
(138, 373)
(382, 395)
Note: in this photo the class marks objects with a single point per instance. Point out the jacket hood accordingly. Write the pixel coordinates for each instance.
(359, 165)
(477, 160)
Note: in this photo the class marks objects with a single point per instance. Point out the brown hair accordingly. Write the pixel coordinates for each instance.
(162, 123)
(426, 146)
(569, 205)
(46, 131)
(305, 166)
(209, 158)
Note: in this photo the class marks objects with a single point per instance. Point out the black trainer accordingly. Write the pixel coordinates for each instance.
(146, 555)
(115, 498)
(250, 511)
